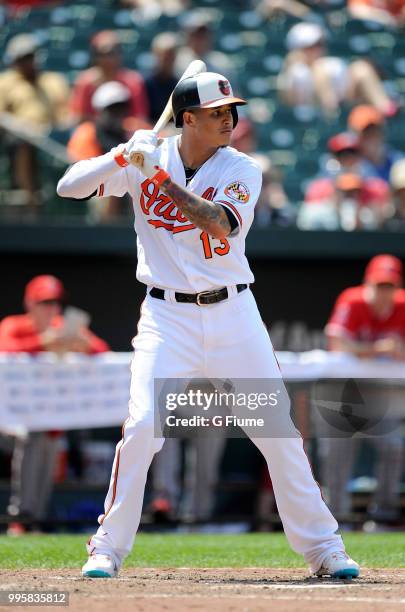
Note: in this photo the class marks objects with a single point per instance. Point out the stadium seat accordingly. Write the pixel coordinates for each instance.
(282, 137)
(250, 19)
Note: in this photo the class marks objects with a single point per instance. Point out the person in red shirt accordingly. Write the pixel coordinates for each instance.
(389, 13)
(41, 328)
(368, 321)
(107, 66)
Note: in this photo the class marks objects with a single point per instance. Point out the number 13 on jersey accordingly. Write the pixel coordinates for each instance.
(206, 240)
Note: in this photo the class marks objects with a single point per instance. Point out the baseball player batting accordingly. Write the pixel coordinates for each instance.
(194, 199)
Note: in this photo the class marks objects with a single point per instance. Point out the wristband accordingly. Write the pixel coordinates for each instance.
(160, 177)
(120, 160)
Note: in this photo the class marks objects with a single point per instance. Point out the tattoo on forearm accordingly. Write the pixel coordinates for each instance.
(206, 215)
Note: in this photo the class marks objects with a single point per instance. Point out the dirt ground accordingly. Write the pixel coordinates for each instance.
(215, 590)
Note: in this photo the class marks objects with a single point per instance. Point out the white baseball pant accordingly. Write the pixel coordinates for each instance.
(223, 340)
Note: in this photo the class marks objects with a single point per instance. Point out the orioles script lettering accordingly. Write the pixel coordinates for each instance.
(154, 202)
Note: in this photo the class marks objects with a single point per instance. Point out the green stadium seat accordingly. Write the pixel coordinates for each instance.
(250, 19)
(359, 26)
(360, 44)
(60, 37)
(144, 62)
(231, 42)
(84, 15)
(307, 166)
(122, 19)
(258, 86)
(293, 186)
(283, 158)
(338, 47)
(79, 59)
(61, 15)
(282, 137)
(273, 63)
(36, 18)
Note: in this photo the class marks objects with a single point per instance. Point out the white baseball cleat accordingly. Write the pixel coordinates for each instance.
(339, 565)
(100, 565)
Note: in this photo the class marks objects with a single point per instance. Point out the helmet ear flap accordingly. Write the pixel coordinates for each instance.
(178, 122)
(234, 115)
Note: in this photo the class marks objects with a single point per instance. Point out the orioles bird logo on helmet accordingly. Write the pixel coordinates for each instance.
(224, 87)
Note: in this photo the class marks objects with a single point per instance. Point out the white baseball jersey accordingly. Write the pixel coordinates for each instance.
(172, 252)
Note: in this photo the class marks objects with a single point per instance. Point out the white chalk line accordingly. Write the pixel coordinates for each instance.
(217, 583)
(275, 596)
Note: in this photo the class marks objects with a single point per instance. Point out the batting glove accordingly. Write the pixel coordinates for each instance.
(143, 136)
(122, 153)
(146, 158)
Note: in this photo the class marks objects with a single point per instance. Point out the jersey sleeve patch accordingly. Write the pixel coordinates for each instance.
(238, 191)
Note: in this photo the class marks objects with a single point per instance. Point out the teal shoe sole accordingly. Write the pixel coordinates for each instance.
(96, 574)
(349, 572)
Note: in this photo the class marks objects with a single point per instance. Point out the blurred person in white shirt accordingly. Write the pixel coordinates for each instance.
(311, 77)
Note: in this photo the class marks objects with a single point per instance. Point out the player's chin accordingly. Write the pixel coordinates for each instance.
(225, 137)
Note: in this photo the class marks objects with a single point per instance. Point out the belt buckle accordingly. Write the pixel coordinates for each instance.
(198, 296)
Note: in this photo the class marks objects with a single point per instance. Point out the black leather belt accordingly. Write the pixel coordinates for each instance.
(202, 299)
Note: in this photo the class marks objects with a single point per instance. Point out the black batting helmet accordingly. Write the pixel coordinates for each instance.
(204, 90)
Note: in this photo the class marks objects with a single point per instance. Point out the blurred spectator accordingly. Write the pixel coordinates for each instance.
(387, 12)
(152, 9)
(309, 76)
(198, 31)
(95, 137)
(110, 128)
(300, 10)
(369, 321)
(29, 94)
(347, 202)
(42, 328)
(377, 156)
(273, 8)
(107, 60)
(272, 207)
(36, 101)
(396, 222)
(162, 81)
(344, 154)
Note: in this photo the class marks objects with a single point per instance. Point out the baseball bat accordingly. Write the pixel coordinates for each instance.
(195, 67)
